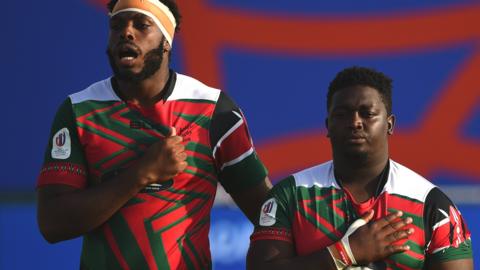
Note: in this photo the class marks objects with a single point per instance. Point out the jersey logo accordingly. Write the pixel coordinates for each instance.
(61, 148)
(268, 212)
(157, 187)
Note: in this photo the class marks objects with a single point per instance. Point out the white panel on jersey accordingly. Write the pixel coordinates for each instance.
(189, 88)
(99, 91)
(405, 182)
(321, 176)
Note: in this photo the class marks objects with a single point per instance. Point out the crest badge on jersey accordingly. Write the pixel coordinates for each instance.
(61, 144)
(268, 212)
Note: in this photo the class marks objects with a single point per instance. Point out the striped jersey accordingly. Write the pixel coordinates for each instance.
(96, 135)
(312, 211)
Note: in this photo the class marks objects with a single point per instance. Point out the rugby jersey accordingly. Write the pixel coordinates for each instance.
(96, 135)
(312, 211)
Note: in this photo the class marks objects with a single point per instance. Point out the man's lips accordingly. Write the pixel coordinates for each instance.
(356, 139)
(127, 53)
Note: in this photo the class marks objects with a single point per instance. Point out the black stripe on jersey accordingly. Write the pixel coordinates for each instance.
(435, 200)
(223, 118)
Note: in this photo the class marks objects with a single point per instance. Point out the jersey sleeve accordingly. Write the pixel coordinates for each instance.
(275, 217)
(447, 232)
(64, 161)
(236, 160)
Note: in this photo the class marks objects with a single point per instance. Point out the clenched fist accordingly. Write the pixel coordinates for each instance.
(163, 160)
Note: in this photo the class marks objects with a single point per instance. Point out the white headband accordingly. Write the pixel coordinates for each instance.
(157, 11)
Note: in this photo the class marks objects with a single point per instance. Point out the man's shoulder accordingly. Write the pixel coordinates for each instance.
(98, 91)
(405, 182)
(320, 176)
(188, 88)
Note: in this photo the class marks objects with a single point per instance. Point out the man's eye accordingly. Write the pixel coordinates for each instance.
(114, 26)
(368, 114)
(143, 25)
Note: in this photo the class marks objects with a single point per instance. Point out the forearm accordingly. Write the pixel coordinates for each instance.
(65, 213)
(317, 260)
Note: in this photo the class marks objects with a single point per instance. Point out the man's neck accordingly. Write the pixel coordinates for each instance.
(361, 177)
(144, 93)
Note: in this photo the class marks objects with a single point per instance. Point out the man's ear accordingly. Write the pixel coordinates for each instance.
(391, 124)
(166, 46)
(326, 126)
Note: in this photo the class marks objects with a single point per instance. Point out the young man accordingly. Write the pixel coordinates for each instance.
(133, 161)
(306, 223)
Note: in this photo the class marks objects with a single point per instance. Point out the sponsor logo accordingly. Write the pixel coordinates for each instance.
(61, 144)
(157, 187)
(268, 212)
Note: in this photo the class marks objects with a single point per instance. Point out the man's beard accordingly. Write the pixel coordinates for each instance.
(153, 61)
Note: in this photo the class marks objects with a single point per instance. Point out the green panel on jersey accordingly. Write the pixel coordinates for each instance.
(89, 106)
(201, 164)
(193, 211)
(158, 250)
(417, 220)
(134, 201)
(324, 209)
(406, 260)
(231, 177)
(199, 148)
(407, 198)
(186, 239)
(121, 128)
(464, 251)
(193, 194)
(186, 258)
(148, 124)
(199, 120)
(201, 176)
(96, 254)
(127, 243)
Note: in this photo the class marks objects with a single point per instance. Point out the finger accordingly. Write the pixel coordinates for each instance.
(181, 156)
(391, 249)
(386, 220)
(395, 226)
(174, 139)
(182, 166)
(173, 132)
(399, 235)
(368, 216)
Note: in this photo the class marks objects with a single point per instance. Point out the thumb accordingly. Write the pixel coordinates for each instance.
(173, 132)
(368, 216)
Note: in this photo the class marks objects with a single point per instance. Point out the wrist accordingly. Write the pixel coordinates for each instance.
(340, 256)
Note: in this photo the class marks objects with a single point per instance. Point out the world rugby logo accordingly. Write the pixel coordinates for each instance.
(269, 210)
(61, 145)
(60, 140)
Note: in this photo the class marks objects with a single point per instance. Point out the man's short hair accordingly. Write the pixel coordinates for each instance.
(362, 76)
(171, 4)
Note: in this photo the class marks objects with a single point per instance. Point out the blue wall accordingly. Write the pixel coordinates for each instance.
(276, 60)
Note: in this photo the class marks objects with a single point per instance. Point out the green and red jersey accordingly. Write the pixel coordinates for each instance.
(95, 135)
(312, 211)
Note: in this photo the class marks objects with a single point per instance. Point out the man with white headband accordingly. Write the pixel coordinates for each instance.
(311, 219)
(133, 161)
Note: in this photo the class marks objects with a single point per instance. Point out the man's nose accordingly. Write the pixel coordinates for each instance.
(128, 32)
(356, 121)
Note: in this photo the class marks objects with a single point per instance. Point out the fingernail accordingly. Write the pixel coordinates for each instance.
(407, 247)
(408, 220)
(399, 213)
(411, 231)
